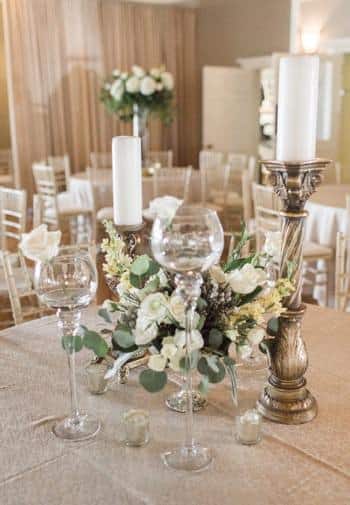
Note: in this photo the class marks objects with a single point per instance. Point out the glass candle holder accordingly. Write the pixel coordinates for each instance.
(95, 377)
(136, 427)
(248, 427)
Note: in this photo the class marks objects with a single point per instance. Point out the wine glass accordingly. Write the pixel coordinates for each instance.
(68, 283)
(188, 244)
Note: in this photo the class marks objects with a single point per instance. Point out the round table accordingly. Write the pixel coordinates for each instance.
(80, 187)
(327, 214)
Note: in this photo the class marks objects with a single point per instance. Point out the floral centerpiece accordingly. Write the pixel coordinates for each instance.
(232, 313)
(138, 94)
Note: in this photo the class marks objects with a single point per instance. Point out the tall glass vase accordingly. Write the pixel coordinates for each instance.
(140, 129)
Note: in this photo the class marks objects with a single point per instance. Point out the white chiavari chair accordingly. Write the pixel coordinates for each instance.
(267, 208)
(213, 186)
(161, 159)
(100, 160)
(13, 211)
(61, 165)
(342, 272)
(238, 161)
(172, 182)
(210, 159)
(58, 209)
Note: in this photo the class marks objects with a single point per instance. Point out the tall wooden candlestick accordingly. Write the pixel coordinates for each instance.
(285, 399)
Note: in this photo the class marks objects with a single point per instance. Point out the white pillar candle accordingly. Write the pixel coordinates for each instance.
(127, 181)
(297, 108)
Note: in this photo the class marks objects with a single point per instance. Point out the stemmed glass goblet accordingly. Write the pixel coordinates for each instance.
(188, 245)
(68, 283)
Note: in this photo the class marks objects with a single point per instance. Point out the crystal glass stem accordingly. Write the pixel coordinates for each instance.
(68, 322)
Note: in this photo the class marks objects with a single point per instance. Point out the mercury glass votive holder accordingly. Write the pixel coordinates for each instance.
(248, 427)
(136, 427)
(95, 378)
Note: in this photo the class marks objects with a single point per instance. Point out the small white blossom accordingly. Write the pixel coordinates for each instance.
(155, 72)
(232, 334)
(145, 330)
(117, 89)
(133, 85)
(116, 73)
(247, 279)
(273, 244)
(168, 80)
(148, 85)
(244, 351)
(165, 207)
(157, 362)
(154, 307)
(218, 274)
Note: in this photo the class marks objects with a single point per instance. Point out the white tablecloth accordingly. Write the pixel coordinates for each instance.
(293, 465)
(327, 214)
(81, 189)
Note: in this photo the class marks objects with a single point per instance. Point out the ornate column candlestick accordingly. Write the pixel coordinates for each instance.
(285, 399)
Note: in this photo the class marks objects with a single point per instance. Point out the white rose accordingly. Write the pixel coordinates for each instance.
(133, 85)
(174, 362)
(138, 71)
(218, 274)
(247, 279)
(165, 207)
(117, 90)
(116, 72)
(168, 80)
(273, 244)
(177, 308)
(157, 362)
(197, 341)
(255, 336)
(124, 75)
(145, 330)
(159, 86)
(148, 85)
(154, 307)
(169, 348)
(40, 244)
(155, 72)
(244, 351)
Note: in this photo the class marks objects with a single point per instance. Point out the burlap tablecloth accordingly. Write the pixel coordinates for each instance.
(293, 465)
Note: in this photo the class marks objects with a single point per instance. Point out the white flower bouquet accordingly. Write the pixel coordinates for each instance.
(232, 313)
(151, 90)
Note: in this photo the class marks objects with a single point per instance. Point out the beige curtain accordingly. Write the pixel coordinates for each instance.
(58, 52)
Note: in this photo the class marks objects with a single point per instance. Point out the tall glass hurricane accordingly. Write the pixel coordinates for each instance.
(68, 283)
(188, 245)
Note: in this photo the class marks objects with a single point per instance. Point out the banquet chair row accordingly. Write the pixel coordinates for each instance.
(238, 161)
(55, 206)
(163, 159)
(267, 208)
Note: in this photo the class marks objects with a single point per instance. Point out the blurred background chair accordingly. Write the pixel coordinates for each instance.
(100, 160)
(13, 217)
(173, 182)
(210, 159)
(160, 159)
(6, 169)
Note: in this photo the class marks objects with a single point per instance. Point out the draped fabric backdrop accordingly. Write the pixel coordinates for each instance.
(58, 52)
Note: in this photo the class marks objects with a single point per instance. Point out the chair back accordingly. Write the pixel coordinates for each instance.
(5, 161)
(160, 159)
(13, 208)
(101, 160)
(47, 188)
(61, 166)
(333, 174)
(214, 183)
(342, 272)
(210, 159)
(252, 169)
(20, 287)
(267, 212)
(238, 161)
(173, 182)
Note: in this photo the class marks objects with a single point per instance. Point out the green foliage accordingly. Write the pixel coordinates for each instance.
(250, 296)
(273, 327)
(105, 315)
(212, 367)
(140, 265)
(141, 270)
(124, 338)
(72, 343)
(216, 338)
(191, 363)
(93, 341)
(153, 381)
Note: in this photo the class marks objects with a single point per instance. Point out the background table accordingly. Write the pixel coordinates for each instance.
(293, 465)
(327, 214)
(81, 189)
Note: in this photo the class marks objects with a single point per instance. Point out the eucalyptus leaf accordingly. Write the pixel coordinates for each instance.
(204, 385)
(137, 281)
(212, 362)
(273, 327)
(72, 343)
(153, 381)
(231, 370)
(105, 315)
(124, 338)
(216, 338)
(93, 341)
(153, 268)
(141, 265)
(192, 363)
(205, 369)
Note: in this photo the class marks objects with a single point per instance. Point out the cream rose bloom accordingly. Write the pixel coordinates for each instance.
(255, 336)
(157, 362)
(145, 330)
(148, 85)
(168, 80)
(117, 89)
(165, 207)
(138, 71)
(133, 84)
(247, 279)
(40, 244)
(155, 72)
(154, 307)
